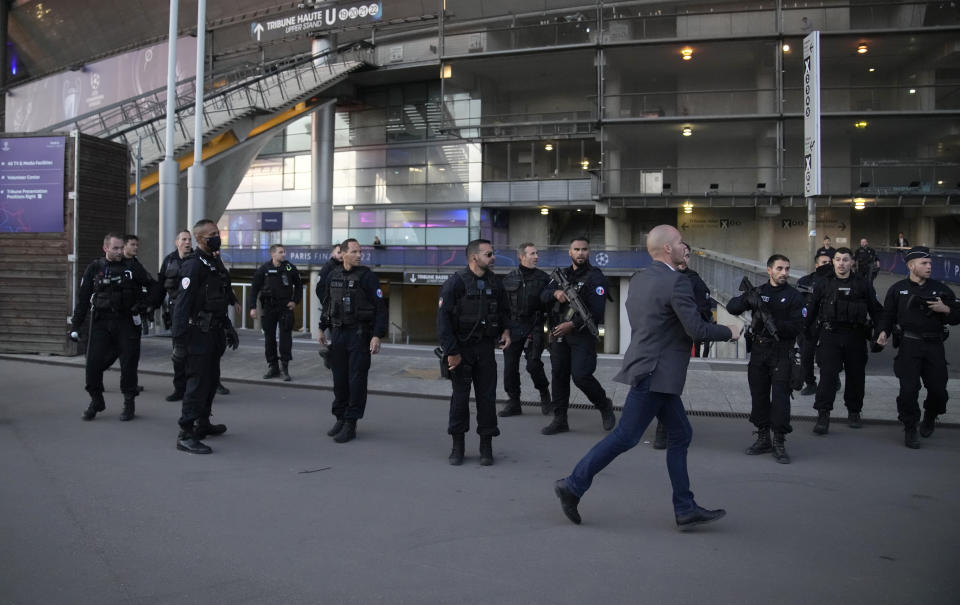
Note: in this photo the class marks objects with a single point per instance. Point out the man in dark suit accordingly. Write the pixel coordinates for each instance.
(664, 324)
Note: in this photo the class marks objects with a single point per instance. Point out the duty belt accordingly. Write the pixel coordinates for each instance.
(838, 327)
(931, 336)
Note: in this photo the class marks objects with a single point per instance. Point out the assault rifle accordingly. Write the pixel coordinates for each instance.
(576, 305)
(761, 315)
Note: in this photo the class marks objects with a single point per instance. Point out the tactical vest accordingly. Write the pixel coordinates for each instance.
(524, 294)
(277, 285)
(349, 303)
(478, 313)
(171, 278)
(213, 295)
(844, 305)
(114, 289)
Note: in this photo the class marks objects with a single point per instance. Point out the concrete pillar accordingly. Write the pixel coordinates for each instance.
(926, 231)
(311, 306)
(624, 327)
(395, 310)
(611, 319)
(766, 229)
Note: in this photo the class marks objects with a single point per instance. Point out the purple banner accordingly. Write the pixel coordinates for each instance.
(31, 185)
(946, 266)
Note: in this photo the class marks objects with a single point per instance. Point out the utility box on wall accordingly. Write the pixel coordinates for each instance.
(45, 182)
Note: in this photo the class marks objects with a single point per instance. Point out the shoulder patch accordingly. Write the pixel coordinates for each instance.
(600, 291)
(804, 312)
(379, 293)
(185, 283)
(440, 303)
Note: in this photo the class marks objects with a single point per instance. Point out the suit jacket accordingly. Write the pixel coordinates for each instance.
(664, 322)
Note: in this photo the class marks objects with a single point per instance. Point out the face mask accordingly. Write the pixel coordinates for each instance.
(213, 243)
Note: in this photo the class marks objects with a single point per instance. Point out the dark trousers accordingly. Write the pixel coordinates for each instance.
(808, 351)
(179, 376)
(112, 339)
(204, 350)
(846, 350)
(273, 320)
(920, 360)
(769, 376)
(350, 363)
(478, 368)
(640, 408)
(575, 355)
(529, 342)
(701, 349)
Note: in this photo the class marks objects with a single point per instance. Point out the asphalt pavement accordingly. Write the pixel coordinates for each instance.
(111, 512)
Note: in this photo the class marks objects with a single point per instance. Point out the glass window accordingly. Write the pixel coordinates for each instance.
(340, 218)
(447, 237)
(406, 156)
(296, 220)
(405, 218)
(405, 236)
(447, 218)
(289, 174)
(298, 135)
(274, 147)
(368, 219)
(365, 236)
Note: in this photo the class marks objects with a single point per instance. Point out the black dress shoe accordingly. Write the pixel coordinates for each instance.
(699, 516)
(568, 502)
(347, 433)
(174, 396)
(607, 417)
(511, 409)
(337, 426)
(205, 429)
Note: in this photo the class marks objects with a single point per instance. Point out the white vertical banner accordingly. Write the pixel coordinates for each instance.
(811, 114)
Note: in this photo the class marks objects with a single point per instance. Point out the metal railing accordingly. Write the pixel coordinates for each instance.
(248, 323)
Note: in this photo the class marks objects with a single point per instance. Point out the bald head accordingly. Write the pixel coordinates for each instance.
(665, 245)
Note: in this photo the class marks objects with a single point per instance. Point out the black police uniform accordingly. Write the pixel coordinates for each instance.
(576, 353)
(201, 332)
(276, 286)
(472, 316)
(701, 294)
(523, 287)
(808, 338)
(170, 279)
(355, 313)
(842, 307)
(112, 291)
(771, 361)
(920, 333)
(825, 251)
(866, 259)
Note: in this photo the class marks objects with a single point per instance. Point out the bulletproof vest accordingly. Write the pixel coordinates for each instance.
(844, 304)
(278, 284)
(171, 278)
(349, 303)
(213, 294)
(524, 293)
(114, 289)
(477, 310)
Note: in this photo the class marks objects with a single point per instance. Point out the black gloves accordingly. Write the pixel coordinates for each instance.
(233, 339)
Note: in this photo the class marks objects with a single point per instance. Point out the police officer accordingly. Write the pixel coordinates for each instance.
(823, 266)
(573, 350)
(201, 332)
(916, 311)
(826, 249)
(131, 247)
(357, 318)
(771, 357)
(111, 288)
(701, 294)
(170, 278)
(842, 303)
(472, 317)
(335, 260)
(868, 263)
(523, 287)
(278, 286)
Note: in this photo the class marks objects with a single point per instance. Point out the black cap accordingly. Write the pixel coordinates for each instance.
(918, 252)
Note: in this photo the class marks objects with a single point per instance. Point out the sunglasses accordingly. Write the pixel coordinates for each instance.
(488, 254)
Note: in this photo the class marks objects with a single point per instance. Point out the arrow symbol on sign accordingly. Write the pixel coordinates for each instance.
(258, 29)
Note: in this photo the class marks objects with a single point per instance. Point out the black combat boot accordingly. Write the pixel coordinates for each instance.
(928, 423)
(129, 408)
(272, 372)
(204, 429)
(285, 370)
(174, 396)
(822, 427)
(336, 428)
(660, 437)
(546, 402)
(558, 425)
(456, 454)
(188, 442)
(780, 448)
(910, 437)
(486, 450)
(854, 421)
(607, 417)
(762, 445)
(97, 404)
(809, 389)
(348, 432)
(221, 390)
(511, 409)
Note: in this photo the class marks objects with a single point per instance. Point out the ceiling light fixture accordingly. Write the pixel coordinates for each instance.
(861, 124)
(862, 49)
(912, 91)
(688, 207)
(687, 53)
(544, 211)
(786, 47)
(687, 131)
(548, 146)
